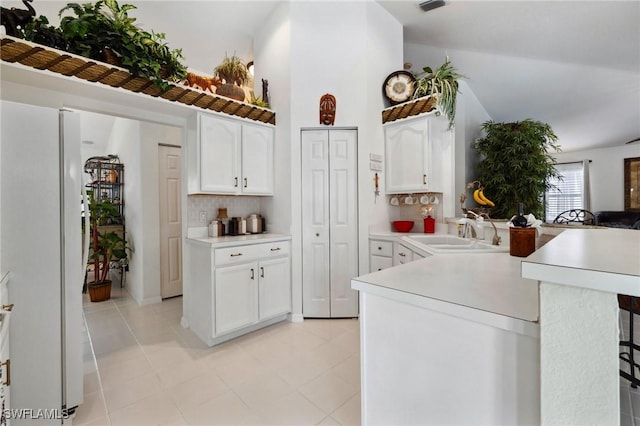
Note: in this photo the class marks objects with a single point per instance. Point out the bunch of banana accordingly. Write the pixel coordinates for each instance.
(479, 198)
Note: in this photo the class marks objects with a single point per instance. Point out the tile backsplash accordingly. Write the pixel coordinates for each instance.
(241, 206)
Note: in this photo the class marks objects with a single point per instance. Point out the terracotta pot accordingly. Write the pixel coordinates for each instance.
(231, 91)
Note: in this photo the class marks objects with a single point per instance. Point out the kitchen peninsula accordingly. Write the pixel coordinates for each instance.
(450, 339)
(496, 339)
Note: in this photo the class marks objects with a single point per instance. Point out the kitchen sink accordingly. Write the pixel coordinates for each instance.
(452, 244)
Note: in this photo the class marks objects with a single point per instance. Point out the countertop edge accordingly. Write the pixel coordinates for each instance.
(503, 322)
(238, 240)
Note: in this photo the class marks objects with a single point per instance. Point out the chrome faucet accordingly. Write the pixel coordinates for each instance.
(479, 217)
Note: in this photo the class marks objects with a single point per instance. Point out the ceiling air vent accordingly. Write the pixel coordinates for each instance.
(431, 4)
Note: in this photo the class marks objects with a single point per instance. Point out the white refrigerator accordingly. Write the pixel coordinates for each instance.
(41, 248)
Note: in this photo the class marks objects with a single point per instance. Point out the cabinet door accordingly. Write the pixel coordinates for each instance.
(235, 297)
(407, 156)
(257, 160)
(401, 254)
(274, 287)
(219, 155)
(378, 263)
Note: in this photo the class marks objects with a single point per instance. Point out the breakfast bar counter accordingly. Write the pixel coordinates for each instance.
(450, 339)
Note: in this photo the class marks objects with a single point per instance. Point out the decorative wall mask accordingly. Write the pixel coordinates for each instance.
(327, 109)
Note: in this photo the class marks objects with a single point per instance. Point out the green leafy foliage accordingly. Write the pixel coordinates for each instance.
(443, 83)
(91, 29)
(106, 246)
(232, 70)
(516, 165)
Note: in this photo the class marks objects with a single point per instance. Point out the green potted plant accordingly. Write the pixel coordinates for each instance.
(234, 74)
(104, 31)
(442, 84)
(106, 247)
(516, 166)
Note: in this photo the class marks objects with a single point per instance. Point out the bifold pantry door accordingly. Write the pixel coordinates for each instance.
(329, 223)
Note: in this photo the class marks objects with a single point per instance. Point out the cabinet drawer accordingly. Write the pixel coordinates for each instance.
(277, 249)
(250, 252)
(378, 263)
(380, 248)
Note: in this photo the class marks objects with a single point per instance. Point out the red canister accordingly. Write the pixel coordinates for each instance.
(429, 225)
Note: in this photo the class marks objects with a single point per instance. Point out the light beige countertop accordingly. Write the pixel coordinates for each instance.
(238, 240)
(487, 282)
(606, 260)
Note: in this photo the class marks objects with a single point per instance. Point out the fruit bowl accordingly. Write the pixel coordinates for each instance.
(402, 225)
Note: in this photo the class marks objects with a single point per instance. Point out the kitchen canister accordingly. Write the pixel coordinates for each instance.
(522, 241)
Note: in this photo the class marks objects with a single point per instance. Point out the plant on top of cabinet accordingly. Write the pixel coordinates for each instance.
(516, 165)
(441, 83)
(104, 31)
(235, 74)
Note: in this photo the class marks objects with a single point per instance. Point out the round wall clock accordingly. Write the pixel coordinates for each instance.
(399, 86)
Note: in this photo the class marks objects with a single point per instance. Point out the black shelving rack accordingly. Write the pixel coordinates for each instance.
(107, 184)
(107, 180)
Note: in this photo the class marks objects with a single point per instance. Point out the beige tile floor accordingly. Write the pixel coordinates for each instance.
(142, 368)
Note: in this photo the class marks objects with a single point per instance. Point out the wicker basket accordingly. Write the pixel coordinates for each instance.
(99, 292)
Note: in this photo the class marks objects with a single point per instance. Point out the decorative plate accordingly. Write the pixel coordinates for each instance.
(399, 86)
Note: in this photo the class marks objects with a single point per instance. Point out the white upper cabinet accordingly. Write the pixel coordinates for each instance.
(257, 159)
(418, 155)
(230, 156)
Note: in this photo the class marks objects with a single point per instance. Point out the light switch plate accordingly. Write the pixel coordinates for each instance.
(375, 157)
(374, 165)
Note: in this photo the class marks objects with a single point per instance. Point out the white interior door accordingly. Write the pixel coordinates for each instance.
(329, 222)
(169, 158)
(343, 213)
(315, 224)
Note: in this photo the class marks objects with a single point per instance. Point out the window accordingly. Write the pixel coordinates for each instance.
(569, 193)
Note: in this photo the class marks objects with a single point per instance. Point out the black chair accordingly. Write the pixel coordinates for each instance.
(576, 216)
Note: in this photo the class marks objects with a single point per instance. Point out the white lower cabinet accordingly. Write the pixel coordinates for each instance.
(274, 288)
(236, 297)
(401, 254)
(385, 253)
(236, 289)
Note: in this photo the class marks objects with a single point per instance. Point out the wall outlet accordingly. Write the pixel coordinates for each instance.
(203, 217)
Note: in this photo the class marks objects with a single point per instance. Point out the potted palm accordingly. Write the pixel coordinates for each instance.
(107, 247)
(234, 74)
(516, 166)
(442, 84)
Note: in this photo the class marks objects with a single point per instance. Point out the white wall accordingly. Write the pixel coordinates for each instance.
(470, 114)
(136, 143)
(342, 48)
(606, 173)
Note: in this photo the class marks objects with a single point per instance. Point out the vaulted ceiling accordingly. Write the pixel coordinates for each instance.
(572, 64)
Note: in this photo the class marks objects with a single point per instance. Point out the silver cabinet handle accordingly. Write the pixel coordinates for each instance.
(401, 254)
(235, 182)
(235, 254)
(424, 179)
(245, 182)
(252, 274)
(262, 272)
(275, 249)
(7, 308)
